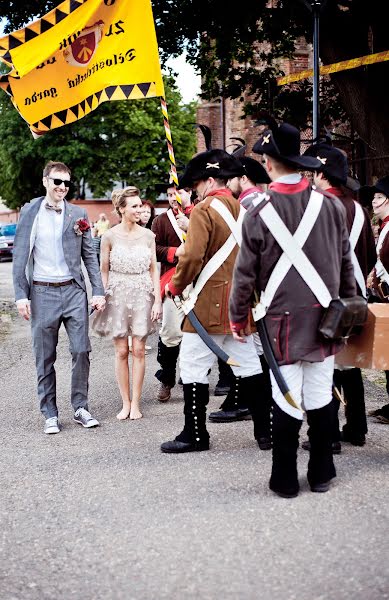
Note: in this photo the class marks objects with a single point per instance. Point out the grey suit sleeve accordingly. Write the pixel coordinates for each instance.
(20, 258)
(91, 263)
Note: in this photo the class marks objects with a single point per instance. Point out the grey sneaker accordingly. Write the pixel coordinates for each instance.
(51, 425)
(85, 419)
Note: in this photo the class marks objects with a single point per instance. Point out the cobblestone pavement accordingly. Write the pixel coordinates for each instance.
(101, 514)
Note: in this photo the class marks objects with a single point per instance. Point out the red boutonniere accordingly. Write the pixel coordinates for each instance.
(80, 226)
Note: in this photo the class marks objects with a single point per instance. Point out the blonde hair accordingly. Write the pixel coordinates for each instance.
(119, 197)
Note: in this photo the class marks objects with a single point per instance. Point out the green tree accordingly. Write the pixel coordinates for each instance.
(121, 141)
(239, 36)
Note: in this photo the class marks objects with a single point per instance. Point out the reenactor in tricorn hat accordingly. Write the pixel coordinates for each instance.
(210, 250)
(254, 176)
(332, 176)
(313, 225)
(378, 195)
(169, 234)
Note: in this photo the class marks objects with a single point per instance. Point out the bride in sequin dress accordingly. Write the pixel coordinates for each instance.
(133, 300)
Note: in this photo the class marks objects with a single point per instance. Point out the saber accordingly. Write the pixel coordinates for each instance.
(338, 395)
(270, 358)
(212, 345)
(203, 333)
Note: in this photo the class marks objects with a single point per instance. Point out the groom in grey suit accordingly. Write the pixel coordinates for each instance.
(51, 238)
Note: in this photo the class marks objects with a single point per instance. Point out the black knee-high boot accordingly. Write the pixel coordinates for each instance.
(285, 438)
(234, 407)
(321, 468)
(356, 425)
(255, 395)
(194, 437)
(167, 358)
(226, 377)
(334, 406)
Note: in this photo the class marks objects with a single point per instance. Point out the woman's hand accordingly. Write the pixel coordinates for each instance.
(156, 311)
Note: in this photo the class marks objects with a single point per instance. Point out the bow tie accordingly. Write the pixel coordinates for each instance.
(49, 207)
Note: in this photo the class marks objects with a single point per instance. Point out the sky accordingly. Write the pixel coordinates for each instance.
(187, 81)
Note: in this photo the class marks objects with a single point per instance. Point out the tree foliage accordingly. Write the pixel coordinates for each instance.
(227, 42)
(121, 141)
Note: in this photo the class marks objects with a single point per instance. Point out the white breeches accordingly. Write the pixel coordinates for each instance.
(309, 383)
(172, 317)
(196, 358)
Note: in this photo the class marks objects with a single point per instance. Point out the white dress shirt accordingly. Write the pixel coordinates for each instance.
(48, 255)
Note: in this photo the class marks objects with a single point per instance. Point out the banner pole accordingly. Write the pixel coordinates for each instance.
(168, 133)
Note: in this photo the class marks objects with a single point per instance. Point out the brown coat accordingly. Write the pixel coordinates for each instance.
(206, 234)
(294, 315)
(166, 241)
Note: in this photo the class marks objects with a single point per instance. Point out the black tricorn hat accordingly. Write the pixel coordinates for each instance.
(254, 170)
(367, 192)
(333, 162)
(213, 163)
(283, 143)
(161, 188)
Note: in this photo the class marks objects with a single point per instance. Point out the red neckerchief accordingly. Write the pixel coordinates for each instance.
(335, 191)
(251, 190)
(221, 192)
(383, 223)
(289, 188)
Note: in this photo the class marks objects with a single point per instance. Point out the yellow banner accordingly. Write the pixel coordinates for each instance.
(82, 53)
(343, 65)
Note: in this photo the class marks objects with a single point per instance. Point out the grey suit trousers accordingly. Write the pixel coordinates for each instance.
(50, 307)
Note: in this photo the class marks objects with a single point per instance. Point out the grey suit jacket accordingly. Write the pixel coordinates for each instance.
(75, 247)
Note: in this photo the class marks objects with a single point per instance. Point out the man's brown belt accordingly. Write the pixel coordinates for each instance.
(54, 284)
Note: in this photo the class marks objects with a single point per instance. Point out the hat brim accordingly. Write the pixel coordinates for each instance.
(308, 163)
(188, 179)
(352, 184)
(185, 181)
(366, 195)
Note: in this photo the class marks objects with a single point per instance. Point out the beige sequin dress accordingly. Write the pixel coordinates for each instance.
(130, 291)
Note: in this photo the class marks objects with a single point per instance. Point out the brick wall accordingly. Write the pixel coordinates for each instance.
(94, 208)
(227, 118)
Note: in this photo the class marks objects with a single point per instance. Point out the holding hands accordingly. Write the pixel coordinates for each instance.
(98, 303)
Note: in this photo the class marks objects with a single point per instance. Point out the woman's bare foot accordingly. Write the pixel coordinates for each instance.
(135, 413)
(124, 413)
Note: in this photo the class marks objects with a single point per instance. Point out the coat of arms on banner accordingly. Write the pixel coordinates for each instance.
(81, 52)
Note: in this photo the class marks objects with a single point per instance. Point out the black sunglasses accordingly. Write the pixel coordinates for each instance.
(66, 182)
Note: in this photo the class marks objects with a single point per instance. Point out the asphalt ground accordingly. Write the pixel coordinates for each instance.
(102, 514)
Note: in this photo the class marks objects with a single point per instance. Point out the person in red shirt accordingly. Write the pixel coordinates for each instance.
(169, 229)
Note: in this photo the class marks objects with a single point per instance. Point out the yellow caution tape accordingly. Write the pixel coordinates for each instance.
(344, 65)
